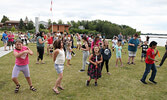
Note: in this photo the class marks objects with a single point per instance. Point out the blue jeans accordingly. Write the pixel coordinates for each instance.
(147, 70)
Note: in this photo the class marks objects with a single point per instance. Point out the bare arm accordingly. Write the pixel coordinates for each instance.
(20, 54)
(87, 48)
(101, 60)
(152, 58)
(40, 41)
(30, 51)
(55, 53)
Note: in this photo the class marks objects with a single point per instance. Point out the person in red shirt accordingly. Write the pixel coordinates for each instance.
(50, 42)
(150, 58)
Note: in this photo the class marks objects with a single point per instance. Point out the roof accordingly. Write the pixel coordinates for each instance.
(12, 21)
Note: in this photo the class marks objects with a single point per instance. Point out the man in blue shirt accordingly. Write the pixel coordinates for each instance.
(132, 48)
(5, 40)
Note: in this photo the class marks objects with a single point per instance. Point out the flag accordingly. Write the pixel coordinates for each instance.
(51, 6)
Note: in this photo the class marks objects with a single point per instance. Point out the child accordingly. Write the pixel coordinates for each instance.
(114, 43)
(94, 69)
(68, 52)
(50, 50)
(21, 64)
(144, 50)
(59, 59)
(118, 48)
(106, 53)
(150, 58)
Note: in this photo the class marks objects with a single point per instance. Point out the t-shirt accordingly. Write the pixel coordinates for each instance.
(118, 50)
(106, 53)
(38, 44)
(119, 37)
(23, 60)
(135, 42)
(3, 36)
(50, 40)
(144, 48)
(78, 38)
(97, 44)
(151, 53)
(28, 35)
(11, 36)
(114, 42)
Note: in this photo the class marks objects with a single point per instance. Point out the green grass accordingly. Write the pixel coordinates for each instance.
(122, 84)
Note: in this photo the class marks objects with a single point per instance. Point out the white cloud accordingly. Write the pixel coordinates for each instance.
(147, 16)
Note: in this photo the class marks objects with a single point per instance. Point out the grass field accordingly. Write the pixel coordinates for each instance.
(1, 42)
(122, 84)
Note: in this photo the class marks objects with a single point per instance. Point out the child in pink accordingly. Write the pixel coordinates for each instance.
(21, 64)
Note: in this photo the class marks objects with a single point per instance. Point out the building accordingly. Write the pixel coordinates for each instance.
(59, 28)
(1, 25)
(10, 24)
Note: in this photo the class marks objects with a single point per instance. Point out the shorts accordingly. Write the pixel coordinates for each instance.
(59, 68)
(4, 41)
(118, 56)
(78, 42)
(49, 44)
(143, 55)
(132, 54)
(18, 68)
(10, 43)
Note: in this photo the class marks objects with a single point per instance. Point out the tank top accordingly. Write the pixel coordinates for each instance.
(60, 59)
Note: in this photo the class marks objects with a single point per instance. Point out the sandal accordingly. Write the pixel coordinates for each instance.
(56, 91)
(61, 88)
(32, 88)
(17, 88)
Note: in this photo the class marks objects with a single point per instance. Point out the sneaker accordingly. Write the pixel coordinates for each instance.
(153, 81)
(143, 82)
(128, 63)
(81, 70)
(158, 66)
(133, 63)
(74, 54)
(95, 83)
(87, 83)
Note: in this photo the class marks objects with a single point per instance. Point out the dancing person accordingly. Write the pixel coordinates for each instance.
(59, 59)
(21, 64)
(11, 40)
(40, 47)
(78, 41)
(85, 51)
(150, 65)
(144, 50)
(132, 48)
(5, 40)
(106, 53)
(94, 68)
(118, 48)
(114, 43)
(68, 53)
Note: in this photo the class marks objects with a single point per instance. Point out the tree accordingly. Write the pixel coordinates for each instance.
(60, 21)
(21, 24)
(42, 26)
(30, 25)
(13, 29)
(4, 19)
(54, 23)
(49, 22)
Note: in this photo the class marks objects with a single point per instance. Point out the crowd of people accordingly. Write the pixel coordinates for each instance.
(96, 51)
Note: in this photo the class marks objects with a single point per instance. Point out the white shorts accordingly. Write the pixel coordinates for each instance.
(59, 68)
(132, 54)
(23, 68)
(78, 42)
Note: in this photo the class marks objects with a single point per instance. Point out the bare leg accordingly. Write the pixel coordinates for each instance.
(129, 59)
(133, 59)
(121, 62)
(29, 81)
(58, 82)
(15, 80)
(116, 65)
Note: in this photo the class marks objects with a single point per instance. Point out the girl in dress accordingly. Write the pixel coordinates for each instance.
(69, 50)
(94, 69)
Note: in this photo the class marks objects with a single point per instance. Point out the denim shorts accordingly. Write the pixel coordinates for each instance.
(5, 41)
(132, 54)
(59, 68)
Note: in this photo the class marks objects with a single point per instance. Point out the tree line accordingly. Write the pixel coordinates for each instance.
(104, 27)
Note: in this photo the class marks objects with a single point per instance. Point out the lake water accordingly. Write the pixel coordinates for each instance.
(161, 40)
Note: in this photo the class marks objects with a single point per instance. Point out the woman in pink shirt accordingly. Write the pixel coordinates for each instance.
(21, 64)
(96, 42)
(11, 40)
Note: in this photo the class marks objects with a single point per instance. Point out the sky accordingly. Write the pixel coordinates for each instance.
(147, 16)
